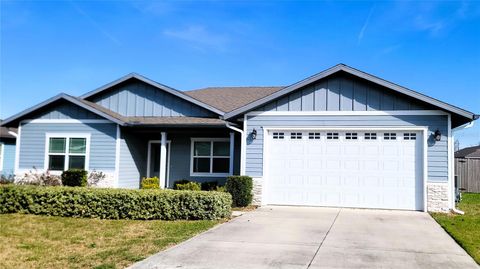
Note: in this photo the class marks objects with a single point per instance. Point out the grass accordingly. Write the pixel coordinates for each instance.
(465, 229)
(30, 241)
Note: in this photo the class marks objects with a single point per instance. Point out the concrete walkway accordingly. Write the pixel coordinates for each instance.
(312, 237)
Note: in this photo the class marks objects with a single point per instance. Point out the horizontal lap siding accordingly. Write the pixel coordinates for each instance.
(343, 93)
(133, 160)
(436, 153)
(102, 143)
(135, 98)
(8, 157)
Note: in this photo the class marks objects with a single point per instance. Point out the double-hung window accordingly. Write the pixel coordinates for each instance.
(66, 151)
(210, 157)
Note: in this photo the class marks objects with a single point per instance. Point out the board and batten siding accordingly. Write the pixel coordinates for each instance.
(135, 98)
(343, 92)
(102, 143)
(67, 110)
(437, 153)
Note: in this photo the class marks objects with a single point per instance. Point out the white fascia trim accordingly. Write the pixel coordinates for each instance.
(85, 135)
(13, 134)
(206, 139)
(66, 121)
(348, 113)
(117, 156)
(17, 150)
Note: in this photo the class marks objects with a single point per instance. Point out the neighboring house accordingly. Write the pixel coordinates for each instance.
(8, 137)
(339, 138)
(467, 169)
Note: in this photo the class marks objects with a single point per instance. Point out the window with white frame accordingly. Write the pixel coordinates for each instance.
(278, 135)
(390, 136)
(370, 136)
(332, 136)
(295, 135)
(67, 152)
(314, 136)
(351, 136)
(210, 156)
(409, 136)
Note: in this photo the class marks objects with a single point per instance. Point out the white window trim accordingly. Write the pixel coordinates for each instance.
(2, 155)
(203, 139)
(67, 136)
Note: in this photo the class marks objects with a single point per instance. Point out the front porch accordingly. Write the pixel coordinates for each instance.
(173, 153)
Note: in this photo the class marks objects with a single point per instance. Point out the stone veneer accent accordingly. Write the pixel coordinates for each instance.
(437, 197)
(257, 191)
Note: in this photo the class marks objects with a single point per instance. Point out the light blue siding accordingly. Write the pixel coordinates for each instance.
(102, 143)
(436, 152)
(343, 93)
(133, 160)
(67, 110)
(135, 98)
(8, 157)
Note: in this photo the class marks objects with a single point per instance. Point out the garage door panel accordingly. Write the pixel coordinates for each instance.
(376, 173)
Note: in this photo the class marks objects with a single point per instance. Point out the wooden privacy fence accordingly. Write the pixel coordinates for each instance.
(467, 172)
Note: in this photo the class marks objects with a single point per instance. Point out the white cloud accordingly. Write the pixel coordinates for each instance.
(365, 25)
(198, 37)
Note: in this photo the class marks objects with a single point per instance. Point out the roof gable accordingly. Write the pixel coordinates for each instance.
(90, 95)
(468, 116)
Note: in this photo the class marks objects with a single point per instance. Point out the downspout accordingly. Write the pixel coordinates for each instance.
(242, 153)
(461, 127)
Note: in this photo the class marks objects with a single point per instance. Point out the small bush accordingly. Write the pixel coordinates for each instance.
(209, 186)
(33, 177)
(221, 189)
(240, 187)
(150, 183)
(190, 186)
(181, 181)
(114, 203)
(74, 178)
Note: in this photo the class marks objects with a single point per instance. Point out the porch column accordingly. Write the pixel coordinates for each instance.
(163, 159)
(232, 150)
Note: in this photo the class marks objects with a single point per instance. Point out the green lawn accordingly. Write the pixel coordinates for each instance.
(465, 229)
(30, 241)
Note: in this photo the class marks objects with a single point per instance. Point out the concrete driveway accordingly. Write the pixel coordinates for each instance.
(313, 237)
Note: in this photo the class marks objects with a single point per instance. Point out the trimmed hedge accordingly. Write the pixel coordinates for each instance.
(190, 186)
(150, 183)
(114, 203)
(209, 185)
(74, 178)
(240, 187)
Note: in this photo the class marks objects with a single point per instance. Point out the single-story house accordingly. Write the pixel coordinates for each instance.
(341, 138)
(467, 169)
(8, 137)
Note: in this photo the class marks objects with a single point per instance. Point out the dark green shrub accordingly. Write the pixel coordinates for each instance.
(190, 186)
(114, 203)
(209, 186)
(74, 178)
(181, 181)
(150, 183)
(240, 187)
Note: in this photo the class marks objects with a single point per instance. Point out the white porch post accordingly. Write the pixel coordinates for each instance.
(163, 159)
(232, 149)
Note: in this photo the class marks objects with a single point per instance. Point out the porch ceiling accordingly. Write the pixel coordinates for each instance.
(175, 121)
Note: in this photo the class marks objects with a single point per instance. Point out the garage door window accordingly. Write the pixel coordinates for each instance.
(295, 136)
(332, 136)
(313, 135)
(210, 157)
(278, 135)
(409, 136)
(370, 136)
(390, 136)
(351, 136)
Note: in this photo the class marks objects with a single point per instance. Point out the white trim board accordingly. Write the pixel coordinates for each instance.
(149, 152)
(117, 156)
(424, 130)
(2, 155)
(348, 113)
(17, 150)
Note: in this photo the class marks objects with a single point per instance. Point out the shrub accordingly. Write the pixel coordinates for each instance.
(74, 178)
(95, 177)
(240, 187)
(150, 183)
(209, 186)
(221, 189)
(190, 186)
(181, 181)
(114, 203)
(33, 177)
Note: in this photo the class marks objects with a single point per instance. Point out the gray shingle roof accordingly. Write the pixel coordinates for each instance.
(471, 152)
(228, 99)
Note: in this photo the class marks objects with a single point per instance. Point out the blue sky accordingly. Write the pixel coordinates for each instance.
(76, 46)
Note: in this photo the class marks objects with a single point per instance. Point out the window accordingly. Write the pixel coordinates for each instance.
(295, 135)
(278, 135)
(210, 156)
(409, 136)
(66, 152)
(332, 135)
(370, 136)
(351, 136)
(390, 136)
(313, 135)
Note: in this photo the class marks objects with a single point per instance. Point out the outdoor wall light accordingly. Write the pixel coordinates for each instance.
(437, 135)
(254, 134)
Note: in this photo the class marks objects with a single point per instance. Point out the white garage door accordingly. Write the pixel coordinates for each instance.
(365, 169)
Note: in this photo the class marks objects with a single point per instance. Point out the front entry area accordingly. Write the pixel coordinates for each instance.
(345, 168)
(153, 160)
